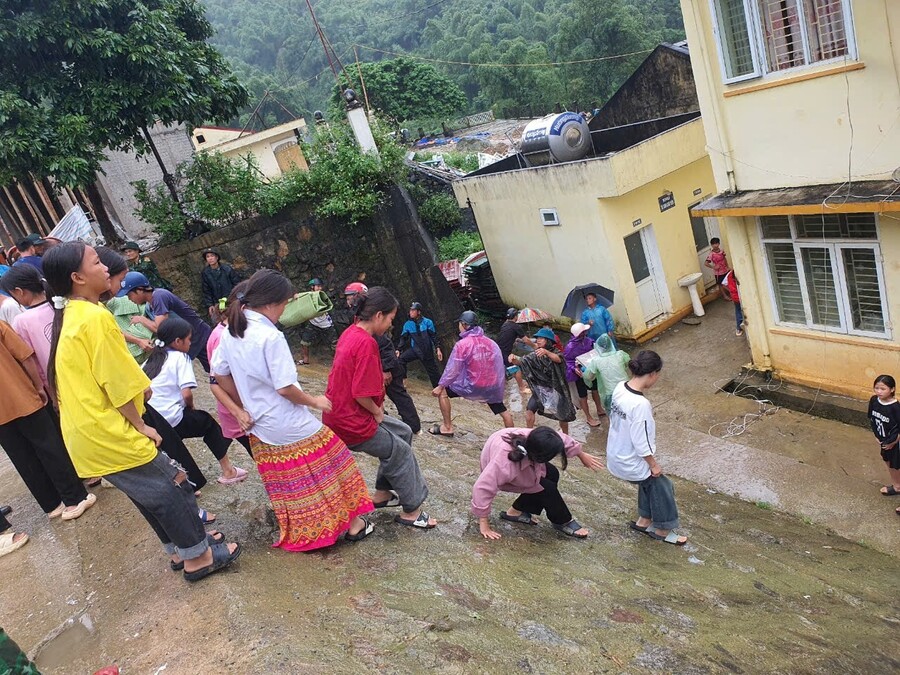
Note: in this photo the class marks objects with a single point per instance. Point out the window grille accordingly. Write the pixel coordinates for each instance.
(826, 272)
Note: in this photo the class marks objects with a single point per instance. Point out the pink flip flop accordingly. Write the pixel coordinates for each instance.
(241, 475)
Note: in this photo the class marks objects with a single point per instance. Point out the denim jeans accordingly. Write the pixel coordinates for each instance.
(398, 469)
(738, 315)
(656, 501)
(169, 507)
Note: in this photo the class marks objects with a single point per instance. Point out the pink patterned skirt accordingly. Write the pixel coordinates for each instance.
(315, 489)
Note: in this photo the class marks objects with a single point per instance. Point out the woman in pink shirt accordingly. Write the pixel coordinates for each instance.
(234, 420)
(518, 460)
(35, 325)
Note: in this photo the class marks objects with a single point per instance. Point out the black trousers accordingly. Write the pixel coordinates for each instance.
(202, 359)
(4, 523)
(401, 398)
(245, 442)
(429, 364)
(174, 447)
(548, 500)
(35, 447)
(200, 424)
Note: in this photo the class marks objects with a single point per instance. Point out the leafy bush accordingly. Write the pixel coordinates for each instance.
(342, 182)
(459, 245)
(159, 209)
(439, 213)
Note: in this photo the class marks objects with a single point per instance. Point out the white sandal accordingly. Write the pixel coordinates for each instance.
(7, 545)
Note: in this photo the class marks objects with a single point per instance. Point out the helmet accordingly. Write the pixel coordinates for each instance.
(511, 313)
(316, 282)
(213, 251)
(416, 306)
(469, 318)
(355, 287)
(132, 281)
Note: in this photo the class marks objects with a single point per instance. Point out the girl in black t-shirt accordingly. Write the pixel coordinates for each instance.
(884, 415)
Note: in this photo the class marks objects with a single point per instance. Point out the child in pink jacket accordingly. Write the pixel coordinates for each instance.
(518, 460)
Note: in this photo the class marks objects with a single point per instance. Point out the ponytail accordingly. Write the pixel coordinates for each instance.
(173, 328)
(540, 445)
(59, 264)
(265, 287)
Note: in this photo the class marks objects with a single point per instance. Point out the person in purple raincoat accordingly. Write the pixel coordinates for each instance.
(474, 371)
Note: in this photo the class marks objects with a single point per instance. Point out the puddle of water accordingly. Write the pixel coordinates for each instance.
(73, 643)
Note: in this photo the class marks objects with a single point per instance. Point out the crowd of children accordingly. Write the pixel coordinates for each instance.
(104, 379)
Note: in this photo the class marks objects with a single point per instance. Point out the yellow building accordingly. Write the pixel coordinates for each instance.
(620, 220)
(276, 150)
(801, 107)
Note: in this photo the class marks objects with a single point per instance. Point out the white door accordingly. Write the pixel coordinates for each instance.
(646, 269)
(704, 229)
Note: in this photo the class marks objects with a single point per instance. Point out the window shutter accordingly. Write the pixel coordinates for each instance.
(820, 286)
(863, 289)
(786, 282)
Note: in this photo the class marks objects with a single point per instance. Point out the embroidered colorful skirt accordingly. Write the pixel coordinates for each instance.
(315, 489)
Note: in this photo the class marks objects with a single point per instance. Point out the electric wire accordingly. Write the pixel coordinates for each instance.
(495, 64)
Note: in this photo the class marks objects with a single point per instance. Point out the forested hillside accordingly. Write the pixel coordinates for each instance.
(273, 46)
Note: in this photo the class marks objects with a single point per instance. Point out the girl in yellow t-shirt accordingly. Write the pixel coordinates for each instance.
(101, 393)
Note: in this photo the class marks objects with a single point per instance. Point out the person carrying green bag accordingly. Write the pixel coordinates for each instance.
(320, 328)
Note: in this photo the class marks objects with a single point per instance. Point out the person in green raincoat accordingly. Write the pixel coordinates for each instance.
(608, 368)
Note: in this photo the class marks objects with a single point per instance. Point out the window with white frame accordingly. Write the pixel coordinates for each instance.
(764, 36)
(825, 272)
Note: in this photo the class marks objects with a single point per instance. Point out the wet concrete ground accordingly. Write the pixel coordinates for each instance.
(758, 589)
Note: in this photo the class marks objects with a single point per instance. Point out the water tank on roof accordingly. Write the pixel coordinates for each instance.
(562, 137)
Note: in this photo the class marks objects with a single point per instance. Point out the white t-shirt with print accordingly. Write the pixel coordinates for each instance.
(632, 434)
(177, 373)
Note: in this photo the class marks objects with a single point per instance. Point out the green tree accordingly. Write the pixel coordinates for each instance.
(405, 89)
(81, 76)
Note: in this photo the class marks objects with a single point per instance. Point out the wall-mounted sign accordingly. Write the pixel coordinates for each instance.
(635, 223)
(698, 191)
(666, 202)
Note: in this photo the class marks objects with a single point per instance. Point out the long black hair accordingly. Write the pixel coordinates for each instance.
(540, 446)
(376, 299)
(115, 262)
(59, 264)
(173, 328)
(25, 277)
(645, 362)
(265, 287)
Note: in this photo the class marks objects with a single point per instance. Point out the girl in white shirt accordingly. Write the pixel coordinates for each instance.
(172, 380)
(631, 450)
(316, 489)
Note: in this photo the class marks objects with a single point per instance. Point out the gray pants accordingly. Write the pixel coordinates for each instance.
(169, 507)
(656, 501)
(398, 469)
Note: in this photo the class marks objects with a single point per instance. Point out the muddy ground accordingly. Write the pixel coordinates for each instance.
(767, 583)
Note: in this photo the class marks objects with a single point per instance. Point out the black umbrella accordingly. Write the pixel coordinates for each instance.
(576, 304)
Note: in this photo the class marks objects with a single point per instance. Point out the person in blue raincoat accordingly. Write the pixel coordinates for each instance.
(598, 318)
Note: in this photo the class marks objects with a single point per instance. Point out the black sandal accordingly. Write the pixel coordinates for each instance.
(525, 518)
(363, 533)
(222, 558)
(569, 529)
(210, 539)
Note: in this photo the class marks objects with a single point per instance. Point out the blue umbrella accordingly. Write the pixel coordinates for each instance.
(575, 303)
